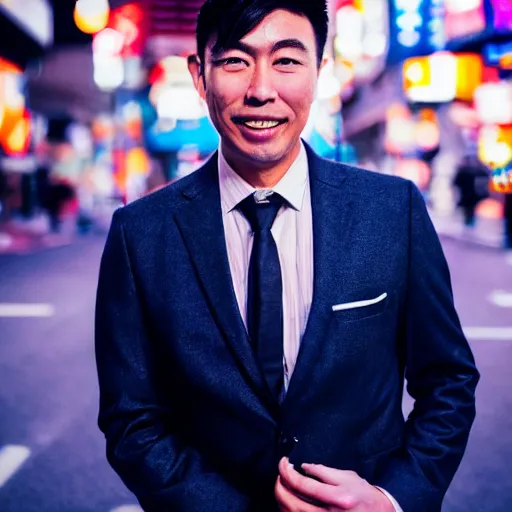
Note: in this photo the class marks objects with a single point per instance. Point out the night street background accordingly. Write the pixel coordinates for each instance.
(49, 395)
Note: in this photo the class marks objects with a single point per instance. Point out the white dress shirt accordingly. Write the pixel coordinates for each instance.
(293, 233)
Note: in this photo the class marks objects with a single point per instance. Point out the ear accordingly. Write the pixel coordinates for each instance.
(196, 72)
(325, 60)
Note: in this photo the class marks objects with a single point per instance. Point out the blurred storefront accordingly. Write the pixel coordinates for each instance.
(178, 130)
(442, 95)
(24, 39)
(160, 128)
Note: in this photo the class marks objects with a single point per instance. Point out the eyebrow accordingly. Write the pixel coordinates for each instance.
(279, 45)
(289, 43)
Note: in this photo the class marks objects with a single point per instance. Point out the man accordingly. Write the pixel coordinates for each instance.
(260, 315)
(472, 181)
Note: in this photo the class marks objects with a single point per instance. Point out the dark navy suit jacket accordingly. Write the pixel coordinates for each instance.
(188, 421)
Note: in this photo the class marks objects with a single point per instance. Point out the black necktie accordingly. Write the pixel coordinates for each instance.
(265, 290)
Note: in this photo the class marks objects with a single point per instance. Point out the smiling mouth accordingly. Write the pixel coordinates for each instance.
(259, 124)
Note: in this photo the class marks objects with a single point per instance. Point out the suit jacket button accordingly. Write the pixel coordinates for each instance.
(287, 444)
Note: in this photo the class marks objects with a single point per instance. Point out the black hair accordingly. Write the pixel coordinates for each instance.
(231, 20)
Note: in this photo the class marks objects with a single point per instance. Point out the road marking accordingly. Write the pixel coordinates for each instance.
(501, 299)
(8, 310)
(12, 457)
(127, 508)
(489, 333)
(508, 258)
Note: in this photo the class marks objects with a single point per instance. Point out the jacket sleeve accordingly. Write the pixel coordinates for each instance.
(164, 474)
(440, 372)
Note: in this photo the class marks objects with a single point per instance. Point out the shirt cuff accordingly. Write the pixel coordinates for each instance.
(395, 504)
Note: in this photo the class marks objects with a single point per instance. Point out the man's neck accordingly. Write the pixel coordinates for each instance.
(262, 177)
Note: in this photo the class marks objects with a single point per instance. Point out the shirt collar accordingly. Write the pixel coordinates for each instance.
(292, 187)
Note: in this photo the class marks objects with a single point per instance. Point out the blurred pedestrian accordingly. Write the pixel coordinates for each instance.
(53, 194)
(261, 313)
(472, 181)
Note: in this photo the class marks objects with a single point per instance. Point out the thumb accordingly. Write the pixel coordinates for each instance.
(325, 474)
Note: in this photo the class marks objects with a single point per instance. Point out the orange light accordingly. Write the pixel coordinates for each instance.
(9, 67)
(428, 114)
(506, 61)
(501, 181)
(469, 75)
(495, 146)
(91, 16)
(137, 162)
(416, 72)
(18, 141)
(9, 120)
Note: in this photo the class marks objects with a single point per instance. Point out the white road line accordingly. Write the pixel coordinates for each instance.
(127, 508)
(488, 333)
(8, 310)
(12, 457)
(501, 298)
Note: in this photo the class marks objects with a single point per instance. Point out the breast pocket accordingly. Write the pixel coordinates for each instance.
(361, 309)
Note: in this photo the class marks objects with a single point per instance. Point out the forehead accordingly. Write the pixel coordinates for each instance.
(277, 26)
(281, 24)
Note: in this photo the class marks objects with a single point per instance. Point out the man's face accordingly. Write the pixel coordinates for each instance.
(259, 94)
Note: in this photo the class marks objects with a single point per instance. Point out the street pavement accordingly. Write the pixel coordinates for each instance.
(52, 453)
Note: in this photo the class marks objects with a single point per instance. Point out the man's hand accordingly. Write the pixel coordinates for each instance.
(336, 491)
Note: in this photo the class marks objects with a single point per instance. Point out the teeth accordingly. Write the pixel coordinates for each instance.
(261, 124)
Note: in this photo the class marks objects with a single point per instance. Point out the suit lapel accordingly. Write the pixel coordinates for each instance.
(200, 223)
(332, 226)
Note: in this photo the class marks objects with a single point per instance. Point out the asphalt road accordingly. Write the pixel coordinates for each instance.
(51, 452)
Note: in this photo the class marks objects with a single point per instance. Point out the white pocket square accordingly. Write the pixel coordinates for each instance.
(359, 304)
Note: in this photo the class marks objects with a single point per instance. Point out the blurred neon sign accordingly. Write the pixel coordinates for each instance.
(416, 28)
(409, 22)
(502, 14)
(501, 180)
(464, 18)
(129, 20)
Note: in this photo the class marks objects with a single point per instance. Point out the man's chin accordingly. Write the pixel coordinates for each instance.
(265, 154)
(261, 156)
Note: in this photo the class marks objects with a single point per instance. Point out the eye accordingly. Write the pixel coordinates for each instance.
(287, 62)
(233, 60)
(231, 63)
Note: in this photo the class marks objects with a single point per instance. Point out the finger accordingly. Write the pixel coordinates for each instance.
(329, 475)
(281, 495)
(304, 487)
(289, 502)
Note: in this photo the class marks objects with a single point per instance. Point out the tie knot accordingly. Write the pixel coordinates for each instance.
(261, 213)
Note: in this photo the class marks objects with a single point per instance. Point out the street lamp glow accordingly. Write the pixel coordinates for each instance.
(108, 72)
(108, 42)
(91, 16)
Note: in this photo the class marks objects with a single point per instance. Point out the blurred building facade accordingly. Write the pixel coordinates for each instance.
(426, 105)
(98, 92)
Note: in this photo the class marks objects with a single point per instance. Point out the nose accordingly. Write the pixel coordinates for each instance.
(261, 88)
